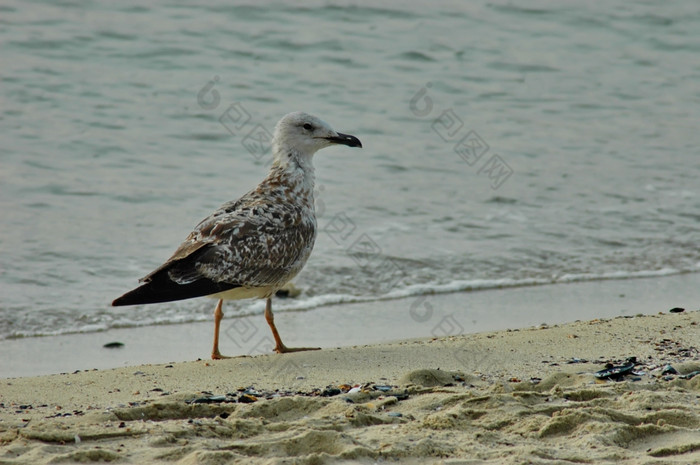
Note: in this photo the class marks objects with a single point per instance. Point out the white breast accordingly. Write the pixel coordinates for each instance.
(244, 293)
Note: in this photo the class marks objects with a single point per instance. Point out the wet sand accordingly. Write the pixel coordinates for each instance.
(512, 396)
(352, 324)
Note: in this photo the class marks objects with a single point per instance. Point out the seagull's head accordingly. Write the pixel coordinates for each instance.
(305, 134)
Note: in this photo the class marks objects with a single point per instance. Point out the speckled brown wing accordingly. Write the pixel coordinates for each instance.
(240, 245)
(251, 251)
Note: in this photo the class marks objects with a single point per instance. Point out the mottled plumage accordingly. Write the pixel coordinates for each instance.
(253, 246)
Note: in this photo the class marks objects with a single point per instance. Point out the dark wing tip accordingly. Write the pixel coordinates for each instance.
(162, 289)
(130, 298)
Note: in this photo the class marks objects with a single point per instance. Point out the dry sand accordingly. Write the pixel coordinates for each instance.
(523, 396)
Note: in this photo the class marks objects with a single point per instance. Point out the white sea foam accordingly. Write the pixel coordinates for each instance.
(256, 307)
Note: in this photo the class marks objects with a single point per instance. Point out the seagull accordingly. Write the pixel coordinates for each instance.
(253, 246)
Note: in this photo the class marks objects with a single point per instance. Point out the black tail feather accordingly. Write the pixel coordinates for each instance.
(162, 289)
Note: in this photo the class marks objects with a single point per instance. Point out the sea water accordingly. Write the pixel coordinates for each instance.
(503, 145)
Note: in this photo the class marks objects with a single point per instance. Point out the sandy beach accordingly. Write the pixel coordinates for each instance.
(515, 396)
(503, 238)
(363, 323)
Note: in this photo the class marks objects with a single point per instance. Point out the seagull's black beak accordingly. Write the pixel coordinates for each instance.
(346, 139)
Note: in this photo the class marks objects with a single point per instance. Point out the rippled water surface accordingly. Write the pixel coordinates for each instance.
(502, 145)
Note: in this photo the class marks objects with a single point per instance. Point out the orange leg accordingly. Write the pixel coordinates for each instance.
(280, 348)
(218, 316)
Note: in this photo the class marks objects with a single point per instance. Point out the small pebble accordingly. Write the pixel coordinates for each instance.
(247, 399)
(616, 372)
(669, 370)
(677, 310)
(209, 400)
(113, 345)
(330, 392)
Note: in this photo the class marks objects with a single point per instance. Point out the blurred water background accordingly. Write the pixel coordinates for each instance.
(503, 145)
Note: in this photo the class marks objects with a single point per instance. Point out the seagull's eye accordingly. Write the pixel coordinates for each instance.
(308, 127)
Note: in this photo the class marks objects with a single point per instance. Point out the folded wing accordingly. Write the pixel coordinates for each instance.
(254, 246)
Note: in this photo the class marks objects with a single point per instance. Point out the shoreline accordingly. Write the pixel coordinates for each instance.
(491, 397)
(353, 324)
